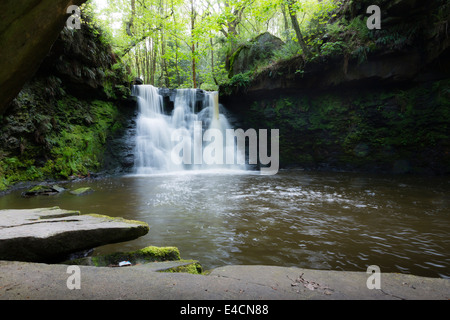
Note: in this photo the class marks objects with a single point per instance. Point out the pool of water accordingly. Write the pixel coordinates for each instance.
(333, 221)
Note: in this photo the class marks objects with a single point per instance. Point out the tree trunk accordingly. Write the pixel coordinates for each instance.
(295, 25)
(163, 60)
(194, 81)
(176, 51)
(154, 51)
(212, 61)
(285, 19)
(138, 64)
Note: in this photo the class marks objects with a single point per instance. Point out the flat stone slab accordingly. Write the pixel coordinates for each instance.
(50, 234)
(22, 280)
(338, 285)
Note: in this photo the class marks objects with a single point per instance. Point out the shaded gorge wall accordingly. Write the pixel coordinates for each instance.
(364, 128)
(60, 124)
(379, 101)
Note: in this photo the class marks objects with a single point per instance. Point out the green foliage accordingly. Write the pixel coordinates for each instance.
(73, 142)
(49, 133)
(241, 80)
(357, 27)
(336, 29)
(77, 148)
(397, 37)
(333, 48)
(14, 169)
(288, 51)
(166, 42)
(209, 87)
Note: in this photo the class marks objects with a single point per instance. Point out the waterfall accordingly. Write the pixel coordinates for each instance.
(163, 139)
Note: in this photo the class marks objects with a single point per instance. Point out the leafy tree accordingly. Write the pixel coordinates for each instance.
(188, 43)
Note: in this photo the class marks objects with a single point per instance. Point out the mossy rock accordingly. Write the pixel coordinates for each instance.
(258, 49)
(42, 190)
(56, 233)
(186, 266)
(141, 256)
(82, 191)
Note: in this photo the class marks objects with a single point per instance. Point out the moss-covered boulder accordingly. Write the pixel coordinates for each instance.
(82, 191)
(42, 190)
(158, 259)
(145, 255)
(256, 50)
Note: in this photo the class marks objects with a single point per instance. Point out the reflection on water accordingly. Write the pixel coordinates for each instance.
(338, 221)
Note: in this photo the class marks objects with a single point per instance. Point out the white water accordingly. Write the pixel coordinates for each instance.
(155, 132)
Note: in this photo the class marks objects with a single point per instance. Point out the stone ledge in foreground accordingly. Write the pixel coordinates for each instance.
(50, 234)
(21, 280)
(339, 285)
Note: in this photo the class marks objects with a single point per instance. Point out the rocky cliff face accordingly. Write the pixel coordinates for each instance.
(412, 46)
(258, 49)
(59, 124)
(28, 28)
(379, 101)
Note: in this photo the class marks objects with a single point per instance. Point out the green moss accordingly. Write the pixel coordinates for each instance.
(81, 191)
(16, 169)
(241, 79)
(77, 143)
(158, 253)
(192, 267)
(48, 132)
(144, 224)
(40, 188)
(145, 255)
(72, 141)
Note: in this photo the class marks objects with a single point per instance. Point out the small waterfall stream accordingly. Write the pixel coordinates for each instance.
(184, 139)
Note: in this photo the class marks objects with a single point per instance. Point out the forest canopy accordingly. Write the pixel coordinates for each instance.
(189, 43)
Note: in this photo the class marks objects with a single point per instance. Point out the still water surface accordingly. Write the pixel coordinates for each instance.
(334, 221)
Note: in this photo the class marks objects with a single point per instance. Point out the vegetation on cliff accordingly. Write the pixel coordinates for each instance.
(371, 100)
(57, 126)
(339, 35)
(375, 130)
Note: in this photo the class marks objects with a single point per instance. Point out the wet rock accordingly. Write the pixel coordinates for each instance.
(58, 188)
(157, 259)
(137, 81)
(144, 255)
(51, 234)
(43, 190)
(82, 191)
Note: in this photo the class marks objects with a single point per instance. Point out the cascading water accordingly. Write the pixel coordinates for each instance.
(158, 135)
